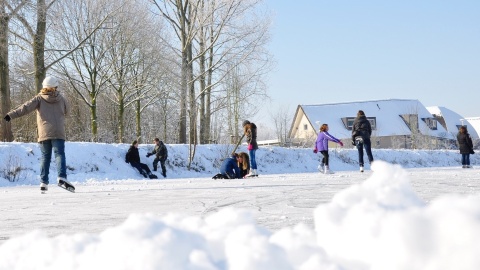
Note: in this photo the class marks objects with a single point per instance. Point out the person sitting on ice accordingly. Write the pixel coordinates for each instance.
(133, 157)
(229, 168)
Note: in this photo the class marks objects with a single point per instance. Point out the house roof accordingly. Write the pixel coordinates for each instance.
(475, 122)
(453, 120)
(387, 113)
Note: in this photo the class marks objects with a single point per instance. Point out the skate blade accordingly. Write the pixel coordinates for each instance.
(66, 186)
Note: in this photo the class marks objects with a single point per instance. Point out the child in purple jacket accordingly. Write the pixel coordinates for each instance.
(321, 145)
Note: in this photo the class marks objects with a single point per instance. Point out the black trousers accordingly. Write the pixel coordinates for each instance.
(141, 167)
(368, 148)
(325, 157)
(162, 164)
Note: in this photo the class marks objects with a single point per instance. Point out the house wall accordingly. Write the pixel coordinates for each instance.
(404, 142)
(301, 132)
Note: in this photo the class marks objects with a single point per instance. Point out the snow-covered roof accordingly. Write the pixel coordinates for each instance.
(475, 122)
(387, 113)
(453, 120)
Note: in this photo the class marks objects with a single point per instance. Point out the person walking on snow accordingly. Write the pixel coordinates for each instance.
(133, 157)
(161, 153)
(321, 145)
(52, 109)
(250, 131)
(465, 145)
(361, 132)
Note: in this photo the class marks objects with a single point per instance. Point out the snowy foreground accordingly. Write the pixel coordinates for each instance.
(425, 215)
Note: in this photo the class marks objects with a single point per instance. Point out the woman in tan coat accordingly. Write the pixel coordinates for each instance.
(51, 108)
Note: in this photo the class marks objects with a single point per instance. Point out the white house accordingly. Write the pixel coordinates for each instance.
(452, 121)
(396, 123)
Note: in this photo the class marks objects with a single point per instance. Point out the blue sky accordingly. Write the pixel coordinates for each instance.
(342, 51)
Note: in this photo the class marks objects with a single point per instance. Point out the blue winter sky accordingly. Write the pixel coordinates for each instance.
(342, 51)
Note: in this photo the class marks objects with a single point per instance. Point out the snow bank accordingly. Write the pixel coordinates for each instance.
(88, 162)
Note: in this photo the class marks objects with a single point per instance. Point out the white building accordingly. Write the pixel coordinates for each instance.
(396, 123)
(452, 121)
(475, 122)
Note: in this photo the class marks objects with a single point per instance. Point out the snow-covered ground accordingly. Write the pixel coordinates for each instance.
(416, 210)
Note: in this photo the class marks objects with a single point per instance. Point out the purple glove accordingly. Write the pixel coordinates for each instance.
(250, 147)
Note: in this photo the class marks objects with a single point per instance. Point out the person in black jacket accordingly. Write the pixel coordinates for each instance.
(361, 132)
(161, 153)
(133, 157)
(243, 163)
(465, 145)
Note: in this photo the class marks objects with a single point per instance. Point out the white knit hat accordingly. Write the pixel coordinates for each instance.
(50, 82)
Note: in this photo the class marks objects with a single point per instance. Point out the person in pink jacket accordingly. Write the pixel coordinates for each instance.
(321, 145)
(51, 108)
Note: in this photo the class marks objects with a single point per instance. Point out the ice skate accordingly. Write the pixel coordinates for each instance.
(327, 170)
(63, 183)
(253, 173)
(43, 188)
(321, 167)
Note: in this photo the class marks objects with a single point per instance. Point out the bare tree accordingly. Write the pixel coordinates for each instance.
(7, 10)
(135, 47)
(87, 68)
(180, 14)
(281, 120)
(231, 44)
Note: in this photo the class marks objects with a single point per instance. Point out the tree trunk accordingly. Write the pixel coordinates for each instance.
(93, 119)
(6, 133)
(203, 134)
(208, 91)
(138, 114)
(39, 44)
(121, 113)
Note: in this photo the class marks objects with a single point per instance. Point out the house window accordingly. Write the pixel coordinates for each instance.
(348, 122)
(373, 122)
(431, 123)
(305, 127)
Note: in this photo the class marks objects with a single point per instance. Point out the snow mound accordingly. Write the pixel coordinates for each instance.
(378, 224)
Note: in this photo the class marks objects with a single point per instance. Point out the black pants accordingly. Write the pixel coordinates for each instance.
(325, 157)
(141, 167)
(162, 164)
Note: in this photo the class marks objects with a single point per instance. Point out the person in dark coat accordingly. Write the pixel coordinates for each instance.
(361, 132)
(465, 144)
(229, 168)
(133, 157)
(161, 153)
(250, 131)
